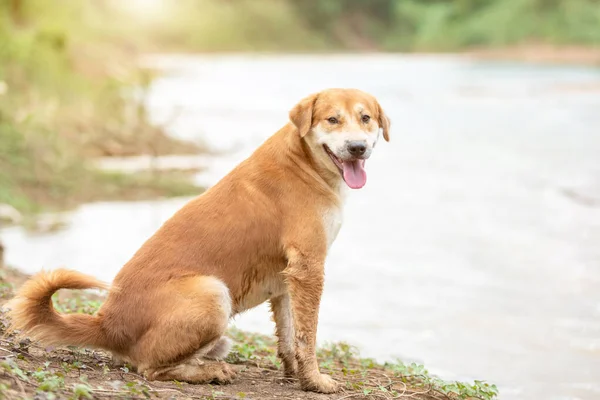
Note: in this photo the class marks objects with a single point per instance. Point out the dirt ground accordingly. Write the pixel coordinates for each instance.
(30, 371)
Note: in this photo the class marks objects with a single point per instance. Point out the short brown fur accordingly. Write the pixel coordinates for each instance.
(257, 235)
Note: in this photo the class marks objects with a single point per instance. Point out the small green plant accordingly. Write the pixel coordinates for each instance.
(418, 375)
(216, 394)
(341, 351)
(412, 369)
(82, 391)
(136, 389)
(274, 360)
(478, 390)
(6, 288)
(51, 383)
(12, 368)
(76, 304)
(249, 347)
(4, 387)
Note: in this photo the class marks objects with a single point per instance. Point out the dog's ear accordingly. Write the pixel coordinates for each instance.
(384, 123)
(302, 113)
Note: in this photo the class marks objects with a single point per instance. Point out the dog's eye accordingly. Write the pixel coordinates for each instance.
(332, 120)
(365, 118)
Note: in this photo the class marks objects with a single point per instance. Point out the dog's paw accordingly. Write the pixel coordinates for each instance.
(223, 373)
(322, 383)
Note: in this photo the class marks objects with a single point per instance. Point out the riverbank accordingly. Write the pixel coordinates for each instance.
(27, 369)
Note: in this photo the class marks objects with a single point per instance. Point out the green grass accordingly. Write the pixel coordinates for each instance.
(77, 373)
(336, 358)
(363, 375)
(33, 184)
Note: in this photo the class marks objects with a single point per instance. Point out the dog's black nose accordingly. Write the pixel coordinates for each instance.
(357, 148)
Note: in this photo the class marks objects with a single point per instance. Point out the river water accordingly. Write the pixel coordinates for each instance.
(475, 245)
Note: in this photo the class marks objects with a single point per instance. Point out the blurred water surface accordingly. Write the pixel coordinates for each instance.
(475, 245)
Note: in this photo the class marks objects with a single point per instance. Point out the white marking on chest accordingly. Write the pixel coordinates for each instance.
(333, 216)
(332, 222)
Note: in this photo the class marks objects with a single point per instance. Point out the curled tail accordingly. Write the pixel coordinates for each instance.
(31, 311)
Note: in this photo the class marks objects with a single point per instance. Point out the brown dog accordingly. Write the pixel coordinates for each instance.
(261, 233)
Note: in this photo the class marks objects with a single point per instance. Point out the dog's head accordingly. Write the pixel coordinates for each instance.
(341, 126)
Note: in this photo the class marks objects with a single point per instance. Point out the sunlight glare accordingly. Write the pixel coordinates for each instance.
(148, 9)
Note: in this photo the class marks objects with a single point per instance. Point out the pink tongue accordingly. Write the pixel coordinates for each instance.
(355, 174)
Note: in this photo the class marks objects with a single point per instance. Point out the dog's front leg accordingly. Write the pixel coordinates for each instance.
(304, 276)
(284, 328)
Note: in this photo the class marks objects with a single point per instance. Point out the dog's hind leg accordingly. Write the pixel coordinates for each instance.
(188, 332)
(219, 351)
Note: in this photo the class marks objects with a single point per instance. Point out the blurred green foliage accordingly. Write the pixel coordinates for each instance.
(67, 72)
(391, 25)
(66, 93)
(322, 25)
(453, 24)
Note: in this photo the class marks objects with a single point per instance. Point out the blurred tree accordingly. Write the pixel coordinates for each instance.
(449, 24)
(323, 15)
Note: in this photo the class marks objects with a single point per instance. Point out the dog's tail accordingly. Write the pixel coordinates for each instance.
(31, 311)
